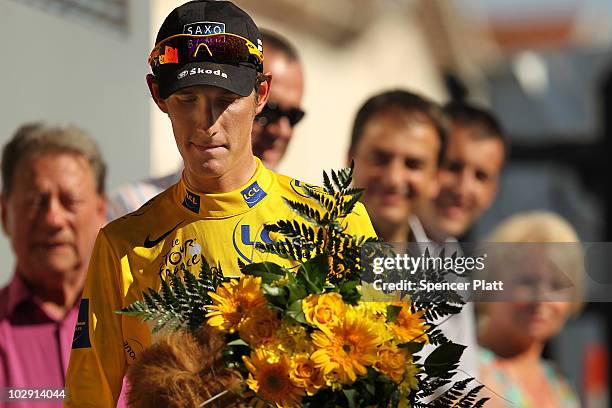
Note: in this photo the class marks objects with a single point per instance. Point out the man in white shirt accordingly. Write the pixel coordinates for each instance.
(398, 141)
(469, 173)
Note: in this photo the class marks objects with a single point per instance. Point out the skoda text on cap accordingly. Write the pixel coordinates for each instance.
(200, 26)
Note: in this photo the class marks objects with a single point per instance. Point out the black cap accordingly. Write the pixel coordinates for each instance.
(208, 17)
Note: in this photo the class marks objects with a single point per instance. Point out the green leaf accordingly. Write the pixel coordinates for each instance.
(348, 286)
(413, 347)
(371, 388)
(351, 397)
(312, 274)
(327, 184)
(443, 358)
(296, 289)
(392, 312)
(269, 272)
(295, 311)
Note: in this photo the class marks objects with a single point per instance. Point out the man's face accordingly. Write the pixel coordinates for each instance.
(270, 141)
(396, 163)
(212, 128)
(468, 181)
(52, 217)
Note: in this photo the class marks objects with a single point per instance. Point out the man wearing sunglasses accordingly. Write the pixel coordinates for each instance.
(272, 129)
(211, 86)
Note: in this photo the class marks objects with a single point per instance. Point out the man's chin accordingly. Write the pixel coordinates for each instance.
(453, 228)
(271, 157)
(211, 168)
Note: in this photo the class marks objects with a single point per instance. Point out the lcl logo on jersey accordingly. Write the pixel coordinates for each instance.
(253, 194)
(246, 235)
(192, 202)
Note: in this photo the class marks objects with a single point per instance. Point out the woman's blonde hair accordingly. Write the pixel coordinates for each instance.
(546, 227)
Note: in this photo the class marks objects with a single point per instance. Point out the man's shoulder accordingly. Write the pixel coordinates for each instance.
(4, 301)
(129, 197)
(293, 188)
(155, 213)
(358, 220)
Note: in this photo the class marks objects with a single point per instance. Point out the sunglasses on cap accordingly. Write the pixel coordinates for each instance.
(272, 113)
(225, 48)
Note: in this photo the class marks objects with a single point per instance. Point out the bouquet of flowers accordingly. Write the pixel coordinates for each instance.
(300, 336)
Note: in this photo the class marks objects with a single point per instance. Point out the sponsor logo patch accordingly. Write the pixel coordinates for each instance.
(81, 331)
(253, 194)
(192, 202)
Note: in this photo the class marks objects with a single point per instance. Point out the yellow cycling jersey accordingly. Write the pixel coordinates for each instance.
(177, 227)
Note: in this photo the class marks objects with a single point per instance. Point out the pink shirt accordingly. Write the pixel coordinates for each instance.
(34, 347)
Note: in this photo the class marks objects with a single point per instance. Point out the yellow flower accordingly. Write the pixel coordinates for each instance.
(373, 309)
(261, 328)
(269, 378)
(323, 310)
(347, 348)
(408, 384)
(305, 374)
(375, 312)
(409, 327)
(392, 361)
(293, 338)
(234, 301)
(411, 381)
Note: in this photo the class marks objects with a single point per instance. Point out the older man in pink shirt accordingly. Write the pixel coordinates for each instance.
(53, 205)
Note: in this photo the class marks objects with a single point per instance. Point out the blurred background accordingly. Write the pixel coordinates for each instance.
(543, 66)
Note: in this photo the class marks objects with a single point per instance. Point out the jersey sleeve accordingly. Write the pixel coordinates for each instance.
(97, 361)
(358, 222)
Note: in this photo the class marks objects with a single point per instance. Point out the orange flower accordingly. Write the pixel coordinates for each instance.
(409, 327)
(305, 374)
(261, 328)
(392, 361)
(346, 349)
(269, 378)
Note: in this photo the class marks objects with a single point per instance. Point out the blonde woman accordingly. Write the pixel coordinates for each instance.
(540, 260)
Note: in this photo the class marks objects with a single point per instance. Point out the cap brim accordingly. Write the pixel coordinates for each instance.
(237, 79)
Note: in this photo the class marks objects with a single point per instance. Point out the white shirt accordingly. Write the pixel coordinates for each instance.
(459, 328)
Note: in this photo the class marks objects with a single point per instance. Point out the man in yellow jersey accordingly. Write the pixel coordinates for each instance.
(208, 78)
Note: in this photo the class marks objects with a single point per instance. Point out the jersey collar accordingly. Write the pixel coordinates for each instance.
(221, 205)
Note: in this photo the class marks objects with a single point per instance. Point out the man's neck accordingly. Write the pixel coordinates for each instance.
(57, 301)
(436, 235)
(225, 183)
(393, 233)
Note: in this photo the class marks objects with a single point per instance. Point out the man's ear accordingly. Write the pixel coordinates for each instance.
(434, 185)
(349, 157)
(263, 93)
(4, 214)
(101, 210)
(154, 89)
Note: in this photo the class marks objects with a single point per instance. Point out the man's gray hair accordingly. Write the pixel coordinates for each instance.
(36, 139)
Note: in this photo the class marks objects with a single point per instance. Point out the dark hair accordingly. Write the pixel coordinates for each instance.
(407, 102)
(469, 115)
(275, 41)
(35, 139)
